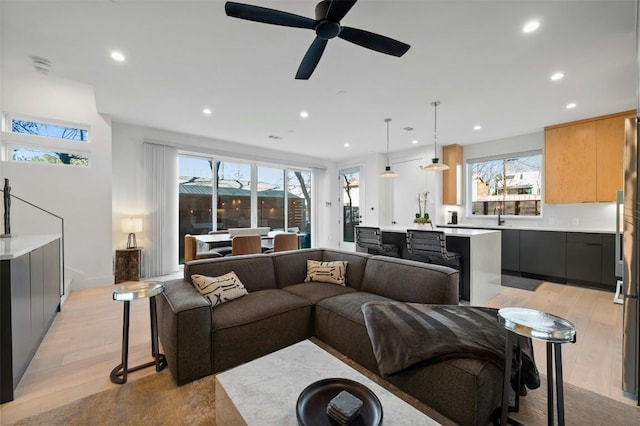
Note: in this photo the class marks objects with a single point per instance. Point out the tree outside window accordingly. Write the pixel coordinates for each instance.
(510, 185)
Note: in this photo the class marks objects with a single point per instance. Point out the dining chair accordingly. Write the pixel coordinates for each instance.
(370, 238)
(246, 244)
(286, 241)
(191, 250)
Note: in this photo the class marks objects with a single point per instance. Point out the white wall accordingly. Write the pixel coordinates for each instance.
(128, 183)
(82, 196)
(581, 216)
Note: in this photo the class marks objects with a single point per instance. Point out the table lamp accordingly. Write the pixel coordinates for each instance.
(132, 225)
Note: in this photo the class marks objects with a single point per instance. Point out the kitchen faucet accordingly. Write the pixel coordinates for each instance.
(500, 220)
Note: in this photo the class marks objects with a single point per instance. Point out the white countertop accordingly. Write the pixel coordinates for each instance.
(461, 232)
(18, 245)
(526, 228)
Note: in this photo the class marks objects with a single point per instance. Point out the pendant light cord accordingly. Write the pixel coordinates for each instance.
(387, 120)
(435, 126)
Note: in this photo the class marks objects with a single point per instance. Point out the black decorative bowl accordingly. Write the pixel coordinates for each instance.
(311, 408)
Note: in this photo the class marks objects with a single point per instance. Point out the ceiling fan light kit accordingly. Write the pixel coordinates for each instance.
(435, 165)
(326, 26)
(388, 173)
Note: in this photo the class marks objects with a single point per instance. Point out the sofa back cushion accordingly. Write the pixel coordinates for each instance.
(356, 263)
(410, 281)
(255, 271)
(290, 267)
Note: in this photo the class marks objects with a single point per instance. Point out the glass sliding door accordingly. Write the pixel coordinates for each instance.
(299, 205)
(194, 198)
(234, 195)
(271, 198)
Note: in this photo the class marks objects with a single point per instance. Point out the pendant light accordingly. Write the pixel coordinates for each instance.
(388, 173)
(435, 165)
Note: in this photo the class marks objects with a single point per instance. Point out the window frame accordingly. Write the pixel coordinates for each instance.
(47, 144)
(469, 183)
(254, 165)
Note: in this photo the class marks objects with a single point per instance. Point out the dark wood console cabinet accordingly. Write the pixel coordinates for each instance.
(30, 286)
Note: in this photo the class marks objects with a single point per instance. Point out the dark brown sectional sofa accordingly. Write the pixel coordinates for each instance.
(281, 309)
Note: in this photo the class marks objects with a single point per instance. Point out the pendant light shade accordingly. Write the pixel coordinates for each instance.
(435, 165)
(388, 173)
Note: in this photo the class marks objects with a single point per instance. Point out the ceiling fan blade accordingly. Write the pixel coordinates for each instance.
(374, 41)
(338, 9)
(267, 16)
(311, 59)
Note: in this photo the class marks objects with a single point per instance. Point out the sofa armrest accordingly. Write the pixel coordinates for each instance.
(184, 327)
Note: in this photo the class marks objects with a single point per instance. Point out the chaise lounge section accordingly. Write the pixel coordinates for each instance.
(281, 309)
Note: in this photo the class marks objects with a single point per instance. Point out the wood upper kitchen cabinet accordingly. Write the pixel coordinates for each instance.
(584, 159)
(610, 156)
(452, 157)
(570, 163)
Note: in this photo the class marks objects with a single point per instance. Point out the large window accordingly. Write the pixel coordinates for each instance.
(271, 200)
(234, 195)
(510, 185)
(245, 195)
(195, 195)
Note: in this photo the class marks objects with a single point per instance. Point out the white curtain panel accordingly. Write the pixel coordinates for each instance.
(161, 209)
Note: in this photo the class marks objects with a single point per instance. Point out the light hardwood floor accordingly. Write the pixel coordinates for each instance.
(84, 344)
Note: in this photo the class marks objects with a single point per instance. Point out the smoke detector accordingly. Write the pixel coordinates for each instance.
(42, 65)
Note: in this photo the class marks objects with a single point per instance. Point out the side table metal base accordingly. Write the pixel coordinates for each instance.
(119, 373)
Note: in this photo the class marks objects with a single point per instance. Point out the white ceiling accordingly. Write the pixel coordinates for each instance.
(472, 56)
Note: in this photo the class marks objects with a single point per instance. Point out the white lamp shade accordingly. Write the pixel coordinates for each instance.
(132, 224)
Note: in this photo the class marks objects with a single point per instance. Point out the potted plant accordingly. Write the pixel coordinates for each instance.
(422, 218)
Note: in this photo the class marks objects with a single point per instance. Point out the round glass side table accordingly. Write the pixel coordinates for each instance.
(127, 292)
(542, 326)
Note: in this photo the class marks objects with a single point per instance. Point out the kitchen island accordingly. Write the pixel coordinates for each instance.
(30, 283)
(480, 252)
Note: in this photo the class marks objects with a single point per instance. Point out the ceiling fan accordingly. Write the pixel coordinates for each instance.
(326, 25)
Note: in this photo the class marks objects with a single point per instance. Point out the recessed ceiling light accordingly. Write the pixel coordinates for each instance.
(571, 105)
(117, 56)
(557, 76)
(414, 142)
(346, 145)
(531, 26)
(206, 111)
(477, 127)
(304, 114)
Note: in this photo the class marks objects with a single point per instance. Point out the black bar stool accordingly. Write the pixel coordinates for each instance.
(127, 292)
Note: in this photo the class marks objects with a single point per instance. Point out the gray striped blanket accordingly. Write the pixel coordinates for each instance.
(404, 334)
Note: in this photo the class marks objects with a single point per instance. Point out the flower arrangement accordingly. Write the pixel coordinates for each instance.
(422, 217)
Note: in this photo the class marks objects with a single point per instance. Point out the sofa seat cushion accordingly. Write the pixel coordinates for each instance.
(339, 322)
(257, 324)
(255, 306)
(316, 291)
(349, 306)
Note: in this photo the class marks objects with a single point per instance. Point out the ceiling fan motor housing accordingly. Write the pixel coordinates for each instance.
(325, 29)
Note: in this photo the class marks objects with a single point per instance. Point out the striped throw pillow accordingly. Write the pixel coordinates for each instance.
(326, 272)
(219, 289)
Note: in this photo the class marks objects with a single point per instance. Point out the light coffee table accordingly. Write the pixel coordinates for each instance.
(264, 391)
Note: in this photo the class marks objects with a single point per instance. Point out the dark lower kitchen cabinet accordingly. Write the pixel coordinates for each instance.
(584, 258)
(608, 278)
(510, 250)
(543, 253)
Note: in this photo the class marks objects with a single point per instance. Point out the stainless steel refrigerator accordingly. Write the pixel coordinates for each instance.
(631, 270)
